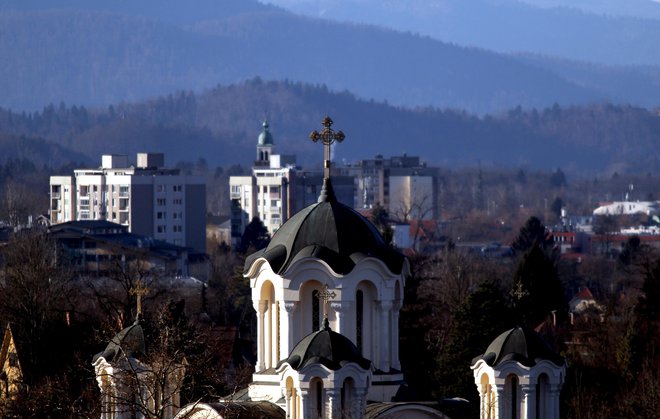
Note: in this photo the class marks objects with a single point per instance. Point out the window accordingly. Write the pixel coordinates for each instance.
(178, 201)
(123, 190)
(316, 311)
(177, 188)
(160, 202)
(160, 188)
(161, 229)
(84, 190)
(178, 229)
(161, 215)
(359, 308)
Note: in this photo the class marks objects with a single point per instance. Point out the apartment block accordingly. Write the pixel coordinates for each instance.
(148, 198)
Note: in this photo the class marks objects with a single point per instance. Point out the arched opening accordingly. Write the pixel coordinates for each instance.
(316, 311)
(542, 388)
(487, 400)
(269, 321)
(311, 308)
(512, 397)
(316, 397)
(359, 318)
(347, 398)
(291, 399)
(365, 320)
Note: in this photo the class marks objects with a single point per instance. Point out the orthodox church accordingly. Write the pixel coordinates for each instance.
(327, 291)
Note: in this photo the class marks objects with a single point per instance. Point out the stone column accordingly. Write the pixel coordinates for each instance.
(359, 404)
(529, 401)
(500, 401)
(395, 361)
(341, 308)
(553, 401)
(261, 335)
(286, 327)
(305, 408)
(385, 331)
(333, 403)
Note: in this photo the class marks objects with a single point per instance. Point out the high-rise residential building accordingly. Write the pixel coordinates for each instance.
(404, 185)
(148, 198)
(276, 189)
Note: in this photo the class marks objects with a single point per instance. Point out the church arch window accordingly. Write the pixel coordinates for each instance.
(542, 387)
(487, 399)
(316, 311)
(311, 309)
(347, 397)
(317, 399)
(270, 327)
(512, 399)
(359, 318)
(291, 399)
(366, 324)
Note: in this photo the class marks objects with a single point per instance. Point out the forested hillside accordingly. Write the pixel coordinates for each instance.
(96, 58)
(222, 125)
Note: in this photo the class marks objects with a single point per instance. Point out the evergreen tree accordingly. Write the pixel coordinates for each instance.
(537, 290)
(255, 236)
(484, 316)
(534, 233)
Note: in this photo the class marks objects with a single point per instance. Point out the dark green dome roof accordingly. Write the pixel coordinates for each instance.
(129, 343)
(265, 138)
(327, 348)
(330, 231)
(519, 344)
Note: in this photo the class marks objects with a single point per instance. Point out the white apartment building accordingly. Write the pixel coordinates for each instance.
(277, 189)
(147, 197)
(265, 193)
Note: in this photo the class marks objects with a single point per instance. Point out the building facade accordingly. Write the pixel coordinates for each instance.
(276, 189)
(401, 184)
(148, 198)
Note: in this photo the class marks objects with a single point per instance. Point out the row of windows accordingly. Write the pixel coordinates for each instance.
(175, 229)
(162, 215)
(161, 202)
(163, 188)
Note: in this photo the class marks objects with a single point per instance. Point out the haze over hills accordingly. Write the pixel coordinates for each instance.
(96, 53)
(221, 125)
(512, 26)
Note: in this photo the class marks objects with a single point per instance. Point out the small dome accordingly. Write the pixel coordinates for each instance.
(265, 138)
(129, 342)
(519, 344)
(330, 231)
(325, 347)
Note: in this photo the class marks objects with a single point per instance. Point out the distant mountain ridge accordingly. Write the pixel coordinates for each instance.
(222, 125)
(577, 30)
(100, 54)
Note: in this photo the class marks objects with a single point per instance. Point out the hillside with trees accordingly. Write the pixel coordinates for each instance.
(221, 125)
(93, 55)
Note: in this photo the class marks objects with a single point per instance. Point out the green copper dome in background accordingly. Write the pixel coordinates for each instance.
(265, 138)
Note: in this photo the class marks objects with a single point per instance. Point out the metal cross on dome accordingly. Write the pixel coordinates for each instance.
(139, 290)
(519, 292)
(328, 136)
(325, 295)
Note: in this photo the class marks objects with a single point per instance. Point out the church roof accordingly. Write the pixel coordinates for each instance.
(330, 231)
(327, 348)
(265, 138)
(519, 344)
(129, 342)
